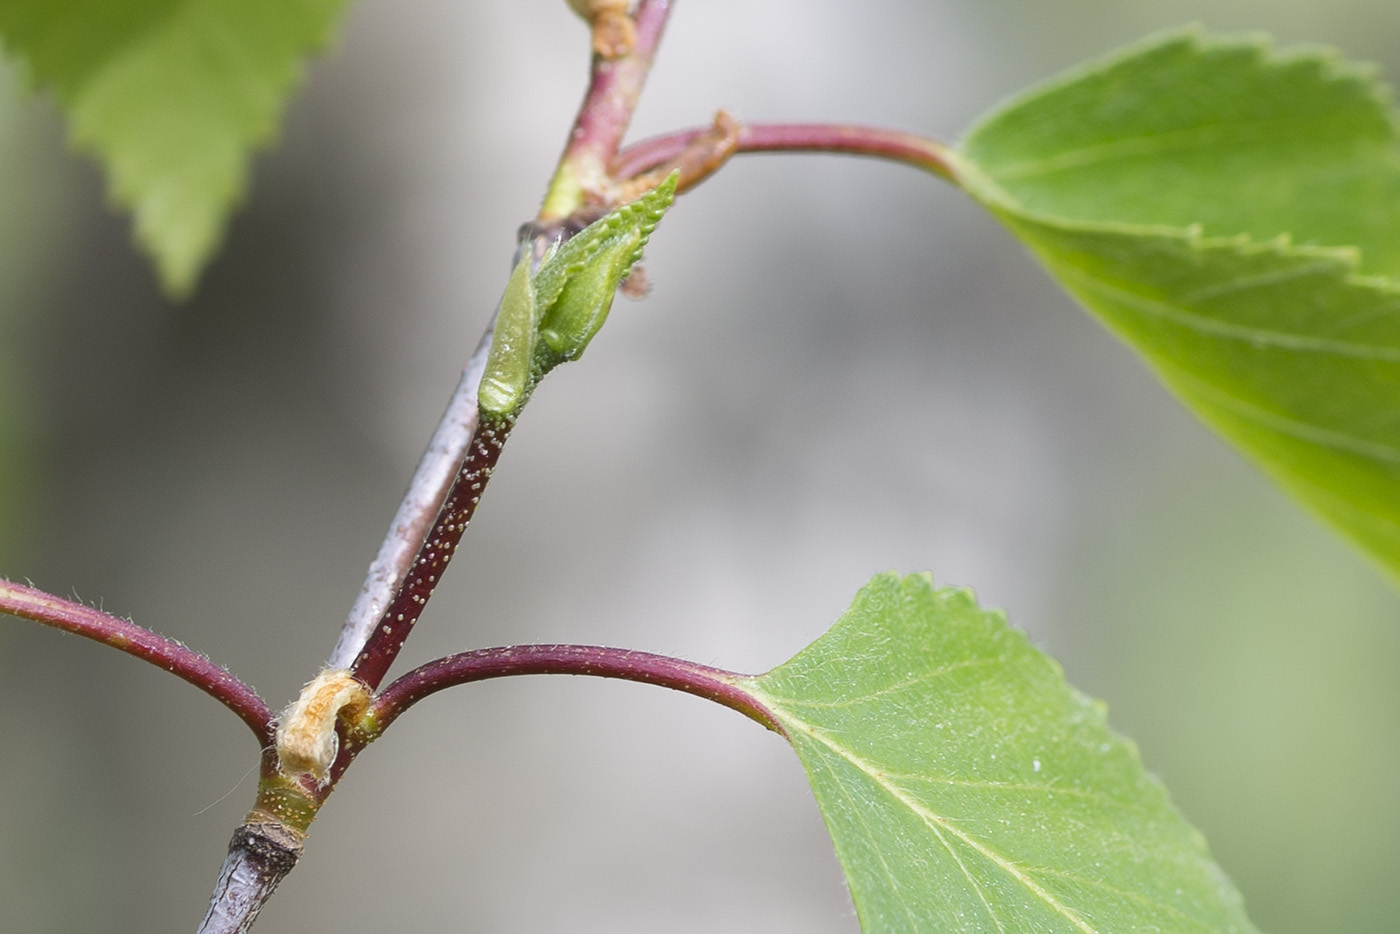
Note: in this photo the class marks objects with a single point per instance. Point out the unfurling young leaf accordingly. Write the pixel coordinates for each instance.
(969, 789)
(1232, 213)
(575, 287)
(551, 316)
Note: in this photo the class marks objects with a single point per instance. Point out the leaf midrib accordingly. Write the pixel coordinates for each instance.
(939, 826)
(935, 822)
(909, 682)
(1275, 129)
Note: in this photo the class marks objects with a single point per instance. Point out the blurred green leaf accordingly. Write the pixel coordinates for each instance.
(1234, 215)
(968, 788)
(172, 96)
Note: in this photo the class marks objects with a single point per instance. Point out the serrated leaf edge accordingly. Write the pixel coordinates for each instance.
(1345, 258)
(1334, 66)
(1096, 713)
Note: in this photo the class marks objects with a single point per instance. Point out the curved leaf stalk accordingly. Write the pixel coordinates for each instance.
(908, 148)
(714, 684)
(268, 843)
(126, 636)
(700, 157)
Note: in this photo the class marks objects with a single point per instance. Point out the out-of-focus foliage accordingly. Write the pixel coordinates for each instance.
(172, 97)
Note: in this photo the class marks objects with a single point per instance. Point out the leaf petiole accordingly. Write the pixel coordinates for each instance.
(161, 651)
(722, 687)
(846, 139)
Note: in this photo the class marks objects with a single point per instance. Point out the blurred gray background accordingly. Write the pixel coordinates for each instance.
(843, 368)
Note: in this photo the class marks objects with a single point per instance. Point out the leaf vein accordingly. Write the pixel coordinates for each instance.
(1284, 425)
(1323, 267)
(934, 821)
(971, 880)
(920, 678)
(1125, 893)
(1067, 791)
(1152, 144)
(875, 848)
(1255, 336)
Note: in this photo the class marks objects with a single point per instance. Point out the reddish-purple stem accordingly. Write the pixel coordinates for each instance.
(613, 90)
(615, 86)
(603, 117)
(259, 856)
(218, 683)
(426, 492)
(423, 575)
(599, 661)
(908, 148)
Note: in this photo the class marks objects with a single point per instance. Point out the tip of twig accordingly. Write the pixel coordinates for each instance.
(614, 34)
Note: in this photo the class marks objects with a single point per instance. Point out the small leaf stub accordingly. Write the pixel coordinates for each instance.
(574, 288)
(307, 743)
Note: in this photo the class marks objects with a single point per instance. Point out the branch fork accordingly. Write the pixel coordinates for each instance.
(307, 748)
(307, 731)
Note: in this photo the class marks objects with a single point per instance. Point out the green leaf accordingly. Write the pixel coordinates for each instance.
(576, 285)
(1234, 215)
(967, 788)
(172, 96)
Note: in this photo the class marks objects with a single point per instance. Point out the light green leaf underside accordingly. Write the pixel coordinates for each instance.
(1235, 217)
(967, 788)
(172, 96)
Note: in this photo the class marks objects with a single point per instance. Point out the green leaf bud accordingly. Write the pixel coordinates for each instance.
(508, 366)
